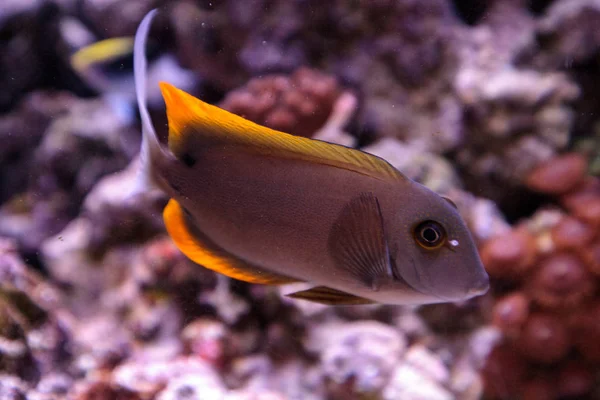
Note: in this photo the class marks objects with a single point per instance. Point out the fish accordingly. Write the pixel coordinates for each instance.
(266, 207)
(101, 65)
(105, 66)
(101, 52)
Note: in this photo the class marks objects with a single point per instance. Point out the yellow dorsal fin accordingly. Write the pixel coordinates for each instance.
(200, 250)
(188, 115)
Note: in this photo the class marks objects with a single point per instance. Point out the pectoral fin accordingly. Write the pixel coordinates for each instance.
(200, 249)
(357, 241)
(329, 296)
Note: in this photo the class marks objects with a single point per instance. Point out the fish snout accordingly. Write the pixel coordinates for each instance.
(480, 286)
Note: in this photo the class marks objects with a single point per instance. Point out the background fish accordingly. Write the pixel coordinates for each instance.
(105, 65)
(267, 207)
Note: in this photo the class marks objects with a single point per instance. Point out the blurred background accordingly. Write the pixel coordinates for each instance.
(493, 104)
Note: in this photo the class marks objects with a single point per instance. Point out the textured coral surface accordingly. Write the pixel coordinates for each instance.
(547, 281)
(490, 103)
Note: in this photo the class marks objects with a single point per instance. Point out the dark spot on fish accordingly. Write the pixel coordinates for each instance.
(188, 214)
(394, 268)
(188, 160)
(175, 186)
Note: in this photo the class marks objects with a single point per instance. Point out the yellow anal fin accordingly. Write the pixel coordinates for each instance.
(202, 251)
(329, 296)
(188, 115)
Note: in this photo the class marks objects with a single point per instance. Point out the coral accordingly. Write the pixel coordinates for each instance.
(82, 141)
(298, 104)
(111, 18)
(514, 116)
(423, 77)
(504, 372)
(97, 302)
(572, 234)
(361, 354)
(558, 175)
(162, 327)
(20, 48)
(575, 378)
(422, 376)
(544, 339)
(21, 130)
(511, 312)
(333, 130)
(144, 321)
(509, 255)
(413, 104)
(201, 36)
(207, 339)
(567, 39)
(12, 388)
(586, 326)
(561, 32)
(33, 331)
(545, 281)
(584, 203)
(560, 280)
(431, 170)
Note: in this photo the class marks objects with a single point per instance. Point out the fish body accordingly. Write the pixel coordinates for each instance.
(267, 207)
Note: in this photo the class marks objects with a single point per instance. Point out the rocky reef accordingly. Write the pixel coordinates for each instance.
(491, 103)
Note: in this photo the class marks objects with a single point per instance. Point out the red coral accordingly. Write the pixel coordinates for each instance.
(509, 255)
(504, 372)
(575, 380)
(551, 316)
(591, 256)
(539, 389)
(584, 202)
(298, 104)
(572, 234)
(101, 390)
(560, 280)
(589, 211)
(544, 339)
(558, 175)
(511, 312)
(586, 331)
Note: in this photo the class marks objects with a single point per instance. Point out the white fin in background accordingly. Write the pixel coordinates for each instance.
(150, 145)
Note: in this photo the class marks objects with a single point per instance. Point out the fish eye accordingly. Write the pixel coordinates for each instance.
(430, 235)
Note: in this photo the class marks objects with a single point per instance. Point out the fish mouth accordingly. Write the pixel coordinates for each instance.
(480, 288)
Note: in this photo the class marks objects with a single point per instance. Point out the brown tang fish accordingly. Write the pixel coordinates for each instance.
(267, 207)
